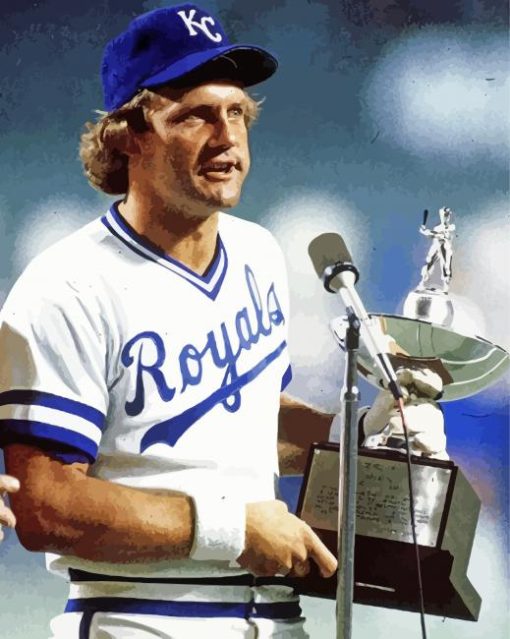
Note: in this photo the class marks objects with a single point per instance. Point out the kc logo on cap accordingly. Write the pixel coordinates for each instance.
(171, 44)
(188, 19)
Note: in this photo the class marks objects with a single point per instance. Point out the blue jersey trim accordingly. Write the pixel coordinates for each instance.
(197, 609)
(61, 452)
(171, 430)
(49, 400)
(156, 254)
(70, 458)
(11, 430)
(105, 221)
(287, 377)
(149, 246)
(247, 579)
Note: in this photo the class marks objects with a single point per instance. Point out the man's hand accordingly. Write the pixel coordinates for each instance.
(278, 542)
(382, 424)
(8, 484)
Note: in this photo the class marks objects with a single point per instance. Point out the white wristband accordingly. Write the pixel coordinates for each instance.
(220, 525)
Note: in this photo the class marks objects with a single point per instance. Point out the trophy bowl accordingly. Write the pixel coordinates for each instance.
(466, 363)
(429, 305)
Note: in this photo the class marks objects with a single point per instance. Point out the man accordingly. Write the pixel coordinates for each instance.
(7, 485)
(143, 360)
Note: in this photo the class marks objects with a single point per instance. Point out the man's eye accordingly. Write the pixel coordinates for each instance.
(190, 116)
(236, 112)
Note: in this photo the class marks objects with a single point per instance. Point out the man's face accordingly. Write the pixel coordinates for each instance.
(195, 157)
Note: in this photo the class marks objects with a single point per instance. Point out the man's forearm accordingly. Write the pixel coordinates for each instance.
(63, 510)
(299, 426)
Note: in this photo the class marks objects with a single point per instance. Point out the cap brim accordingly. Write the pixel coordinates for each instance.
(246, 64)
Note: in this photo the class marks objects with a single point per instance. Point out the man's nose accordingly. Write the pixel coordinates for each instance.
(224, 132)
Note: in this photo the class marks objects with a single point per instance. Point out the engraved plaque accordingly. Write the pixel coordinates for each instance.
(382, 497)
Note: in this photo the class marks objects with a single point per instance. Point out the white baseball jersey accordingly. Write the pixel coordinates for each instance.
(116, 354)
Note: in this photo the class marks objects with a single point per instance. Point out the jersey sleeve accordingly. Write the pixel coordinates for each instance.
(53, 390)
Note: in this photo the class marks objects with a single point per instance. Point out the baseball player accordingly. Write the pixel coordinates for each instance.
(143, 359)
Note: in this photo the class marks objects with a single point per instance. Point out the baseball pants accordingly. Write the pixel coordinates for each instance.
(101, 607)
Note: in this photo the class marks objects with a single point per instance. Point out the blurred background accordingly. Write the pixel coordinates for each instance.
(380, 109)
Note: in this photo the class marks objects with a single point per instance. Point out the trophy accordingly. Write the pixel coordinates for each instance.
(427, 333)
(446, 507)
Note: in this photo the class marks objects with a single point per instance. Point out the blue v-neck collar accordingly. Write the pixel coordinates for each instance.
(209, 283)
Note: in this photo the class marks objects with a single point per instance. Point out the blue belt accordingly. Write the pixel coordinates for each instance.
(201, 609)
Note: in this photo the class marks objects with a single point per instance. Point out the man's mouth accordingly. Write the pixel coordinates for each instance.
(218, 170)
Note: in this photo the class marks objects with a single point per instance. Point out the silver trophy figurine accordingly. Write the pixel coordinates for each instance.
(429, 301)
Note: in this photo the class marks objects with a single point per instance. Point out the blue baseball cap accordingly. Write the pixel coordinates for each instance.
(175, 45)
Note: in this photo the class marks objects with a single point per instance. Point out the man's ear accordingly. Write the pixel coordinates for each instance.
(131, 143)
(137, 126)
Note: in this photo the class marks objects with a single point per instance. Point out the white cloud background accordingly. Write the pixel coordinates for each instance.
(482, 268)
(50, 220)
(295, 221)
(440, 93)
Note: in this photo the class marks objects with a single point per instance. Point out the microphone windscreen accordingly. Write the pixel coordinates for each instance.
(325, 250)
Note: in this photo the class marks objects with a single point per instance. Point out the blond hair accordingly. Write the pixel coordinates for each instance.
(103, 144)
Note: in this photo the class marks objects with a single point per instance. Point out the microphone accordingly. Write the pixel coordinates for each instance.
(333, 264)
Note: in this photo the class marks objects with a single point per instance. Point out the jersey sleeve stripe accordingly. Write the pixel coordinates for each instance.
(75, 457)
(59, 419)
(57, 402)
(287, 377)
(11, 430)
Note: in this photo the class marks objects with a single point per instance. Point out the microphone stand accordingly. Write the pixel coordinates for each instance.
(348, 454)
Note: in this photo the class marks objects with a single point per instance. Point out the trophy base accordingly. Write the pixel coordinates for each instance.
(385, 561)
(429, 306)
